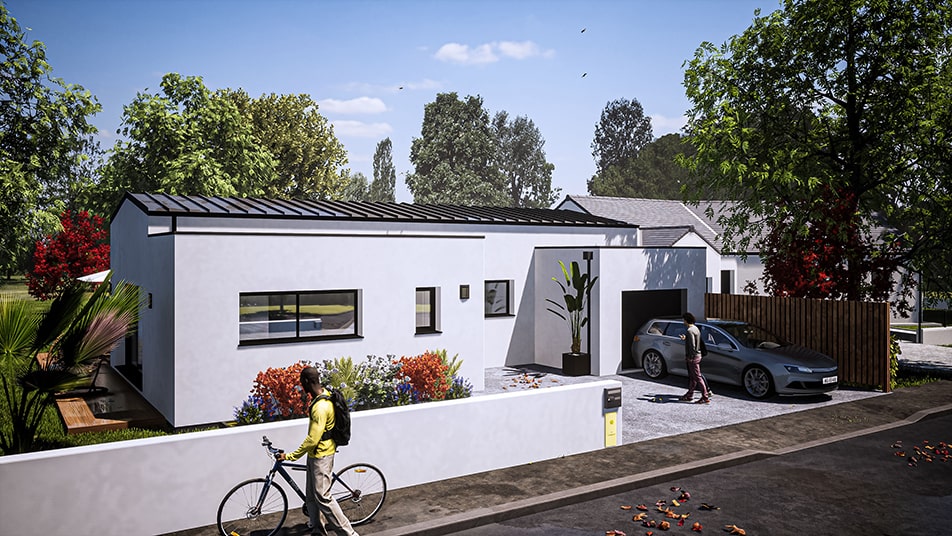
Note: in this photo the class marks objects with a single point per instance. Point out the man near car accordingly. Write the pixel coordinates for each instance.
(692, 357)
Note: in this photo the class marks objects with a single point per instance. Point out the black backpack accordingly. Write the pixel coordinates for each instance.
(703, 347)
(340, 433)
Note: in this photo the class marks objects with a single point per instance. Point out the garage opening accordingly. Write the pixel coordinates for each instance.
(638, 306)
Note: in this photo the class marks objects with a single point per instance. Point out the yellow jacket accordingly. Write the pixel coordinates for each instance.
(321, 419)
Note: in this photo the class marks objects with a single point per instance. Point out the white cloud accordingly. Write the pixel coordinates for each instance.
(490, 52)
(359, 129)
(360, 105)
(661, 125)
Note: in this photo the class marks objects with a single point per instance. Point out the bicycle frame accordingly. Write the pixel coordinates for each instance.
(281, 468)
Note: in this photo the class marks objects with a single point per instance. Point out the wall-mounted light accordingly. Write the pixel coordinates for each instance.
(464, 292)
(588, 255)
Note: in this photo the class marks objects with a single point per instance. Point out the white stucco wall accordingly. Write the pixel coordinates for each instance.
(214, 374)
(172, 483)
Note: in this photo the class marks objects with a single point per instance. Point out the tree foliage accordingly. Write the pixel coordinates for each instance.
(46, 143)
(80, 248)
(382, 188)
(453, 158)
(653, 174)
(356, 187)
(822, 119)
(520, 157)
(186, 140)
(307, 155)
(622, 132)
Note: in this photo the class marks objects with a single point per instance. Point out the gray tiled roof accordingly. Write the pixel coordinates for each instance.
(209, 206)
(657, 214)
(662, 237)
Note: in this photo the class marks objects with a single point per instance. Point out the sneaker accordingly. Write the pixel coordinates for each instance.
(686, 398)
(703, 400)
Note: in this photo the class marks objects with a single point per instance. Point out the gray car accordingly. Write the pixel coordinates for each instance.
(737, 354)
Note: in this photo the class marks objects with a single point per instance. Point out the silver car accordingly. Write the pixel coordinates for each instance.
(737, 354)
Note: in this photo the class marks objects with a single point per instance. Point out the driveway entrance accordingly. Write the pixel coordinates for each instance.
(638, 306)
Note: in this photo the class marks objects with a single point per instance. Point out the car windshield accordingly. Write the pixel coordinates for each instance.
(752, 336)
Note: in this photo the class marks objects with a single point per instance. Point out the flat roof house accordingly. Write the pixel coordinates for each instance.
(357, 279)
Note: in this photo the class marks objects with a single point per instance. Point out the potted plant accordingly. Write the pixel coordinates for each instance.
(575, 292)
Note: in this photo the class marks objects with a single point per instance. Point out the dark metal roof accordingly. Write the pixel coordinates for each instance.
(206, 206)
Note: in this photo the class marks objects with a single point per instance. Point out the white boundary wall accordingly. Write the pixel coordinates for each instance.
(161, 485)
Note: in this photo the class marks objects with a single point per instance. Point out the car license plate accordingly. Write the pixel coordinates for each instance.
(829, 379)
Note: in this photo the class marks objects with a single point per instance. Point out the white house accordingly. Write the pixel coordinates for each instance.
(358, 279)
(670, 223)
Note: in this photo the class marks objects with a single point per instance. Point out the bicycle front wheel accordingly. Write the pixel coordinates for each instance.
(253, 508)
(360, 490)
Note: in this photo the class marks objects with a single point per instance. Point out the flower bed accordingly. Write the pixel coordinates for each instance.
(377, 382)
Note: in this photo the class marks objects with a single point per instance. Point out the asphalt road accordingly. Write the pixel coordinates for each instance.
(857, 486)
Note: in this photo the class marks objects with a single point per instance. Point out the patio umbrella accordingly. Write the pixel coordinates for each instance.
(97, 277)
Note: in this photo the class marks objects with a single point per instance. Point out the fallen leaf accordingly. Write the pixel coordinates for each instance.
(697, 527)
(640, 517)
(675, 488)
(664, 525)
(680, 522)
(685, 496)
(642, 507)
(626, 507)
(705, 506)
(675, 502)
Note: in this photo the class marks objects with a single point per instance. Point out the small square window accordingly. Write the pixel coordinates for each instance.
(498, 298)
(427, 310)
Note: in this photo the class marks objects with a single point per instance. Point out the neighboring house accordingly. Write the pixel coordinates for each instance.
(235, 286)
(670, 223)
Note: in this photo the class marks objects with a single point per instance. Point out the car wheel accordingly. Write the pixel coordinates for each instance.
(757, 382)
(653, 363)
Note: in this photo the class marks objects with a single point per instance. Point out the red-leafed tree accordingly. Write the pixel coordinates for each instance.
(81, 248)
(835, 256)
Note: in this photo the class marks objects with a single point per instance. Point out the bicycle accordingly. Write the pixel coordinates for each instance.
(259, 506)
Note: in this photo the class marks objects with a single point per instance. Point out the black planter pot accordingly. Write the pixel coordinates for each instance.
(576, 364)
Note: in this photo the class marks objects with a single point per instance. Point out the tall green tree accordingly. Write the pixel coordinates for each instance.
(843, 104)
(382, 189)
(186, 140)
(45, 141)
(454, 156)
(356, 187)
(653, 174)
(520, 157)
(620, 134)
(307, 155)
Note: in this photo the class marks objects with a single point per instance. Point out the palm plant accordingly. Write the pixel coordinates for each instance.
(575, 291)
(75, 331)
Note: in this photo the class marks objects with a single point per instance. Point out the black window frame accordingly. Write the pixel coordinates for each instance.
(434, 323)
(508, 284)
(296, 334)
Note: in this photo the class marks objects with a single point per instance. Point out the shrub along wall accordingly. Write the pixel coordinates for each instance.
(855, 334)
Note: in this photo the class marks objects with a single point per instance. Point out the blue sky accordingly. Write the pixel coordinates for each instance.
(353, 57)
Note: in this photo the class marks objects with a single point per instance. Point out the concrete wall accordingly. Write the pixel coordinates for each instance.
(161, 485)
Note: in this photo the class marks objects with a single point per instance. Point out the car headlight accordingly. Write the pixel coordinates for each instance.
(798, 369)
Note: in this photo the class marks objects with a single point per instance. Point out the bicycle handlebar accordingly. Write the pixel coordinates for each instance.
(266, 443)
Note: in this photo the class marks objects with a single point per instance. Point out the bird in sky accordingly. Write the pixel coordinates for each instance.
(584, 75)
(583, 30)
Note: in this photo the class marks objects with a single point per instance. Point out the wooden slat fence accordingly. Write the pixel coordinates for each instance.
(855, 334)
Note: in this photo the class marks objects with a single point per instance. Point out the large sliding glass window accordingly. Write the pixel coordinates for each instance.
(272, 317)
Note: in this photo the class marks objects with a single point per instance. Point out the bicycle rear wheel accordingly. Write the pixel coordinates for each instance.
(251, 510)
(360, 490)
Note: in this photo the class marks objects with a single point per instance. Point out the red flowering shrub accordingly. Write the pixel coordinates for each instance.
(426, 374)
(278, 392)
(81, 248)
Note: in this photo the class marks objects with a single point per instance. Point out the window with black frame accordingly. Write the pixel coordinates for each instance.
(272, 317)
(497, 294)
(427, 310)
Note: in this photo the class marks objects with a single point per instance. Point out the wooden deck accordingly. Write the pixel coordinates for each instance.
(78, 418)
